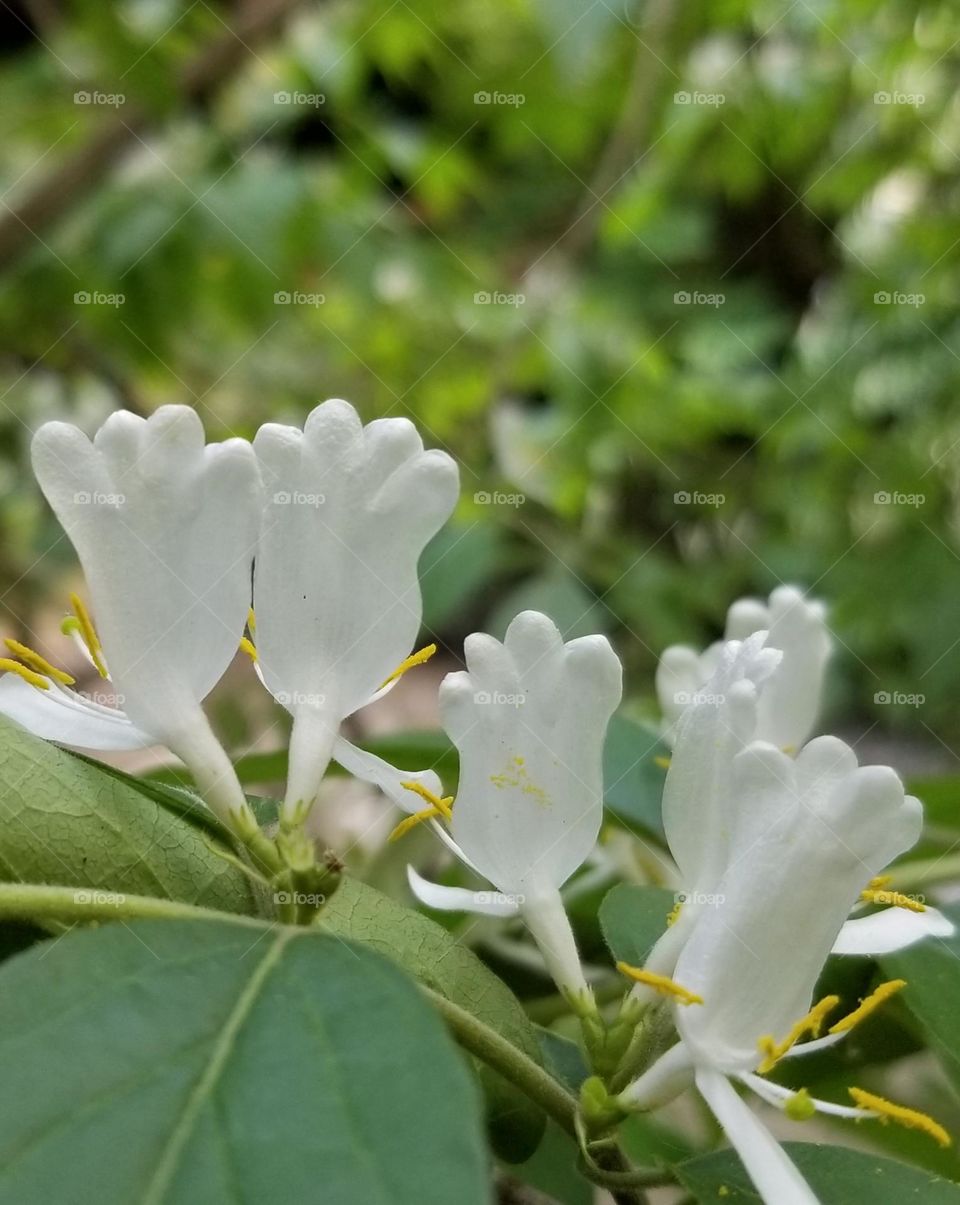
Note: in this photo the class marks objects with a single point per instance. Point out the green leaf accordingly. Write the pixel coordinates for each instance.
(838, 1177)
(436, 958)
(932, 971)
(68, 820)
(633, 779)
(168, 1061)
(632, 919)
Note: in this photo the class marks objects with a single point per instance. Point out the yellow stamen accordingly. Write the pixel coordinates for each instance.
(661, 761)
(88, 634)
(868, 1005)
(674, 913)
(895, 899)
(247, 647)
(660, 983)
(774, 1051)
(443, 805)
(251, 620)
(28, 675)
(414, 659)
(38, 663)
(410, 822)
(880, 880)
(913, 1119)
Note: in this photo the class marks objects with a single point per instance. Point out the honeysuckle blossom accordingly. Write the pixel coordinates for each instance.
(701, 804)
(806, 836)
(788, 709)
(528, 717)
(165, 528)
(349, 508)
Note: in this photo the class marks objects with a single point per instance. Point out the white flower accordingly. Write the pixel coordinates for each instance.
(701, 803)
(528, 717)
(791, 701)
(337, 601)
(806, 836)
(165, 529)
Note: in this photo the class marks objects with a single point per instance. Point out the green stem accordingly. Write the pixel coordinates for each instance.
(40, 901)
(512, 1063)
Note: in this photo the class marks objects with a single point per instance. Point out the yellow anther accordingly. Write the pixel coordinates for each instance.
(799, 1107)
(868, 1005)
(661, 761)
(38, 663)
(251, 620)
(894, 899)
(773, 1051)
(879, 881)
(417, 658)
(913, 1119)
(674, 913)
(88, 634)
(28, 675)
(660, 983)
(443, 805)
(404, 827)
(247, 646)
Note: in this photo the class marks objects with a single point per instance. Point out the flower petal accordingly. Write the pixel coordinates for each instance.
(528, 718)
(773, 1173)
(890, 930)
(370, 768)
(68, 718)
(790, 702)
(460, 899)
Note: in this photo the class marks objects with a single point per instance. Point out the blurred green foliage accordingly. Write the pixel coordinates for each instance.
(792, 172)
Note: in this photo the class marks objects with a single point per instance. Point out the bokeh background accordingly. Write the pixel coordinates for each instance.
(676, 284)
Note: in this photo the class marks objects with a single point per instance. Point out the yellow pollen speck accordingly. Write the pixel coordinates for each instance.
(880, 880)
(896, 899)
(660, 983)
(868, 1005)
(40, 664)
(89, 634)
(812, 1023)
(247, 646)
(28, 675)
(674, 913)
(913, 1119)
(516, 776)
(414, 659)
(661, 761)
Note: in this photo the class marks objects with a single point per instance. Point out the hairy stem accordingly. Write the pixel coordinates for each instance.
(42, 902)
